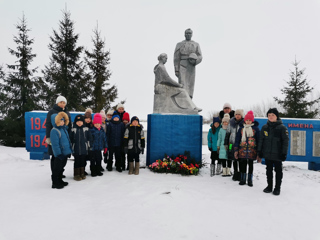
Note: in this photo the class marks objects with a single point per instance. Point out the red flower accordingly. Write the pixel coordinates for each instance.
(197, 165)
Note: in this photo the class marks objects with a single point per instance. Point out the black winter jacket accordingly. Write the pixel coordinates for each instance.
(134, 139)
(81, 140)
(221, 114)
(115, 132)
(274, 141)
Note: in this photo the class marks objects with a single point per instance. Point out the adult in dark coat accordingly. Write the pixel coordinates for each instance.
(120, 111)
(273, 146)
(60, 106)
(226, 109)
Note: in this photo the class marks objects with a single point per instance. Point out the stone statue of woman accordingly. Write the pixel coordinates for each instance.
(170, 96)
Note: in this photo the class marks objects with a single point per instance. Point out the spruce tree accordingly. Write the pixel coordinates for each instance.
(98, 60)
(20, 90)
(66, 72)
(295, 103)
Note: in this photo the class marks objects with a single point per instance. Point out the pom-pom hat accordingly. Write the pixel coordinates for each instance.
(226, 118)
(126, 116)
(97, 118)
(249, 116)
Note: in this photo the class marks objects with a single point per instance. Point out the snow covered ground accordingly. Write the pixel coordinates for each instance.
(153, 206)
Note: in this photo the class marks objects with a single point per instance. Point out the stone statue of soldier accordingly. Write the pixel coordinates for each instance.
(186, 56)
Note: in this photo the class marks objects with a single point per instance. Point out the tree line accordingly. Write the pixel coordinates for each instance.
(83, 81)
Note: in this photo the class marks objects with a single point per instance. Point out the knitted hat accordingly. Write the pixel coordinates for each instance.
(226, 105)
(126, 116)
(216, 119)
(97, 118)
(274, 111)
(61, 99)
(226, 118)
(249, 116)
(88, 115)
(78, 118)
(120, 106)
(114, 116)
(89, 110)
(240, 112)
(134, 118)
(110, 112)
(103, 114)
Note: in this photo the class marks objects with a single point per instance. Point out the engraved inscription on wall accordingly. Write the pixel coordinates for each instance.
(298, 143)
(316, 144)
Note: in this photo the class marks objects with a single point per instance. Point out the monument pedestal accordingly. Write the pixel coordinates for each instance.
(173, 135)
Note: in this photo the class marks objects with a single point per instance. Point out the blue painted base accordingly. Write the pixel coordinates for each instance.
(172, 135)
(39, 156)
(314, 166)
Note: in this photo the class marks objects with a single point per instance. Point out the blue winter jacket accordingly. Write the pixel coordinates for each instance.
(213, 138)
(221, 136)
(59, 137)
(99, 141)
(115, 133)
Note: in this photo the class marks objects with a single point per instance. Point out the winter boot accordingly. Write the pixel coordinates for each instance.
(268, 189)
(56, 183)
(130, 168)
(61, 181)
(212, 170)
(276, 191)
(109, 165)
(250, 180)
(82, 173)
(224, 172)
(243, 179)
(101, 168)
(235, 175)
(228, 173)
(136, 168)
(76, 174)
(93, 171)
(218, 172)
(99, 173)
(238, 176)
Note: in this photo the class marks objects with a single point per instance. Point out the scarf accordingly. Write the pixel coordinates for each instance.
(224, 126)
(247, 131)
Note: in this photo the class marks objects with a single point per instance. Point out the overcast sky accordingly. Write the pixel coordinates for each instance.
(248, 46)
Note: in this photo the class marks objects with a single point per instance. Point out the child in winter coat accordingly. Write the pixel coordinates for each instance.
(61, 147)
(246, 145)
(273, 146)
(212, 145)
(99, 143)
(232, 130)
(115, 133)
(89, 125)
(125, 120)
(80, 139)
(134, 144)
(226, 164)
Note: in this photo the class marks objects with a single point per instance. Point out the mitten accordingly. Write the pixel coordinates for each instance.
(105, 151)
(125, 150)
(226, 147)
(260, 154)
(48, 141)
(210, 149)
(218, 150)
(142, 150)
(236, 155)
(283, 157)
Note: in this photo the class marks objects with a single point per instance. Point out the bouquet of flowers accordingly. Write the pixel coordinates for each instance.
(181, 164)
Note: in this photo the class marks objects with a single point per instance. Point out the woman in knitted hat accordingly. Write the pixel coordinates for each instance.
(120, 111)
(226, 109)
(226, 164)
(212, 145)
(246, 145)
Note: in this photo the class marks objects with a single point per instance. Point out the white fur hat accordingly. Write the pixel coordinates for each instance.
(110, 112)
(226, 118)
(61, 99)
(227, 105)
(103, 114)
(240, 112)
(120, 106)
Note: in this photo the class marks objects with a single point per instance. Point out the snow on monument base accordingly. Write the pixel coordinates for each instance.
(174, 134)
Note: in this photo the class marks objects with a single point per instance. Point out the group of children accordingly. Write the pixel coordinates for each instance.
(87, 138)
(236, 138)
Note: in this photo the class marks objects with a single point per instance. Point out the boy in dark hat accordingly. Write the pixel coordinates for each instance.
(134, 144)
(273, 146)
(80, 139)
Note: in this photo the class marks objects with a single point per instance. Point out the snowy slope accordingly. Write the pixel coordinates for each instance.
(153, 206)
